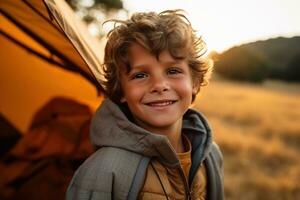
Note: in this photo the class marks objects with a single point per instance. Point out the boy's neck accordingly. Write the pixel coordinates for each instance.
(173, 133)
(174, 137)
(177, 144)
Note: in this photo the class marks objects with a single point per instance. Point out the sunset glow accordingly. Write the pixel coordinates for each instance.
(224, 24)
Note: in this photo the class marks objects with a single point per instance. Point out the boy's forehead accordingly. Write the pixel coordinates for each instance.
(139, 55)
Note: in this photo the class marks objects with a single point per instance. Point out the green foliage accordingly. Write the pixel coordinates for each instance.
(110, 4)
(95, 12)
(293, 69)
(241, 64)
(107, 4)
(274, 58)
(278, 52)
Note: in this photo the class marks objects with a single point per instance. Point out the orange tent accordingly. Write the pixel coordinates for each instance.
(49, 84)
(45, 51)
(42, 163)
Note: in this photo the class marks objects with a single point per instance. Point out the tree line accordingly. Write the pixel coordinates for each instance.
(277, 58)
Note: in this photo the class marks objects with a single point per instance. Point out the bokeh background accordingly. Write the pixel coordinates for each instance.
(252, 101)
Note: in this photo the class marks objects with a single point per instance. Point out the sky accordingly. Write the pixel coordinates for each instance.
(226, 23)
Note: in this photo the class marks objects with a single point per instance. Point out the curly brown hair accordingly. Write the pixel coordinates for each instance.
(169, 30)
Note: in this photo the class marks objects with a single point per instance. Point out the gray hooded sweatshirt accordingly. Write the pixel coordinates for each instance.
(121, 144)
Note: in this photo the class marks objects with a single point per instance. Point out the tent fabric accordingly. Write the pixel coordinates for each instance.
(34, 19)
(9, 135)
(41, 46)
(55, 131)
(48, 154)
(87, 46)
(28, 82)
(34, 52)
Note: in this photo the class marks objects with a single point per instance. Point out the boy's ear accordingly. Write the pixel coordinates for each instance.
(195, 89)
(123, 100)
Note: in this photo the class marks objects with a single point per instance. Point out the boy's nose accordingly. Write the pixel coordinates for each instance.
(159, 85)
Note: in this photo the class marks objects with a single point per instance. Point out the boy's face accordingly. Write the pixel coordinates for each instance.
(158, 91)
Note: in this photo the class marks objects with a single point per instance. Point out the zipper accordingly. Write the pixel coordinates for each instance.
(186, 185)
(185, 182)
(188, 191)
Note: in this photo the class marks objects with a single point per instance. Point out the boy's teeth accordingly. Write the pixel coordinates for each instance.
(165, 103)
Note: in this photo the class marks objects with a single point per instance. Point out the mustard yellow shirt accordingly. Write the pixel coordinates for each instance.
(172, 181)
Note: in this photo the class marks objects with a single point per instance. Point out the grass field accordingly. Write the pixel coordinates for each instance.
(258, 130)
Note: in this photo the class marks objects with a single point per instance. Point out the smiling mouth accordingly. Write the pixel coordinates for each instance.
(161, 103)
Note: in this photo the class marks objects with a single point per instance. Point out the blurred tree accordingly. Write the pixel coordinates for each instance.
(238, 63)
(276, 58)
(95, 12)
(107, 4)
(278, 52)
(293, 69)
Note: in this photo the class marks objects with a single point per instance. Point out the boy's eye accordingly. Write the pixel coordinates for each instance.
(139, 75)
(172, 71)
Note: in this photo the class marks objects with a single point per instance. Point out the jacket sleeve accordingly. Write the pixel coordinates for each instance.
(214, 163)
(88, 183)
(219, 159)
(108, 171)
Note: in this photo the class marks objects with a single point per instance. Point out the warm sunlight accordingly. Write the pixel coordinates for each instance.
(227, 23)
(168, 129)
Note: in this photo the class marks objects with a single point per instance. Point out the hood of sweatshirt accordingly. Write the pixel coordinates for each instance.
(111, 127)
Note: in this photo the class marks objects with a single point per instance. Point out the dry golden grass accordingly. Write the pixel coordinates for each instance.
(258, 130)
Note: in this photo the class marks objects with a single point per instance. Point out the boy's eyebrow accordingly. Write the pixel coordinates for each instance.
(166, 63)
(138, 66)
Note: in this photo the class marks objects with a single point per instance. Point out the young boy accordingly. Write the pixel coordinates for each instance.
(151, 145)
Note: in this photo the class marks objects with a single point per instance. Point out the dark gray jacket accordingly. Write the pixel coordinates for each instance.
(117, 169)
